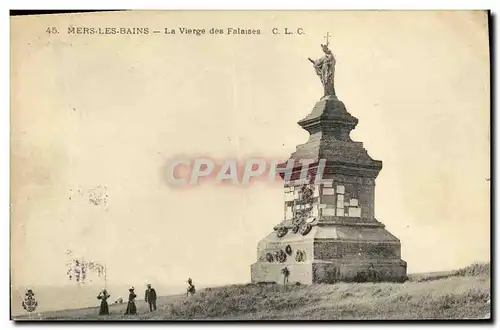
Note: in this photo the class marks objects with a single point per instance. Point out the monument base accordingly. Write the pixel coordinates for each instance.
(362, 254)
(331, 272)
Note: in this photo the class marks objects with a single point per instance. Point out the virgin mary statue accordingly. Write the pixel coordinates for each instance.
(325, 69)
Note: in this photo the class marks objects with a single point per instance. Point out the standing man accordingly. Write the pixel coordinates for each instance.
(150, 298)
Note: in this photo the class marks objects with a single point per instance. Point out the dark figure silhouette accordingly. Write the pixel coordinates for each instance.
(372, 273)
(191, 289)
(103, 297)
(150, 298)
(131, 308)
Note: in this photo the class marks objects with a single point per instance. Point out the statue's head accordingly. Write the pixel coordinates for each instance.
(325, 49)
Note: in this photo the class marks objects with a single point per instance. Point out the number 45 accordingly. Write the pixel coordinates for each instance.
(52, 30)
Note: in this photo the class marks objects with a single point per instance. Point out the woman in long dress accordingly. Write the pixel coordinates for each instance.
(103, 296)
(131, 308)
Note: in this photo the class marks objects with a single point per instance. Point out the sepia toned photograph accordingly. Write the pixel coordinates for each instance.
(250, 165)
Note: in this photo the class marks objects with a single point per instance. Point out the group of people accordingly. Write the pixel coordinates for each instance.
(149, 297)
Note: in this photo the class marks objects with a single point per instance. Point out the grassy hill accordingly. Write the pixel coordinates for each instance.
(452, 295)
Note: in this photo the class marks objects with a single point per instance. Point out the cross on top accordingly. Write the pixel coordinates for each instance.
(327, 37)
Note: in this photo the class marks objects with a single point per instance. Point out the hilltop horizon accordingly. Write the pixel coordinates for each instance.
(84, 295)
(461, 294)
(182, 284)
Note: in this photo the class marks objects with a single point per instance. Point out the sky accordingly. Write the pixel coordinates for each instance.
(94, 111)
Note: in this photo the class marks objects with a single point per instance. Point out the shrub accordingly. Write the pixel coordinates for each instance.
(476, 269)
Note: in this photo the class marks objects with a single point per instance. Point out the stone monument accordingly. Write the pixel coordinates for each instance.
(329, 232)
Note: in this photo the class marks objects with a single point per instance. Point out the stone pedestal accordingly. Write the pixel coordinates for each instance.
(329, 232)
